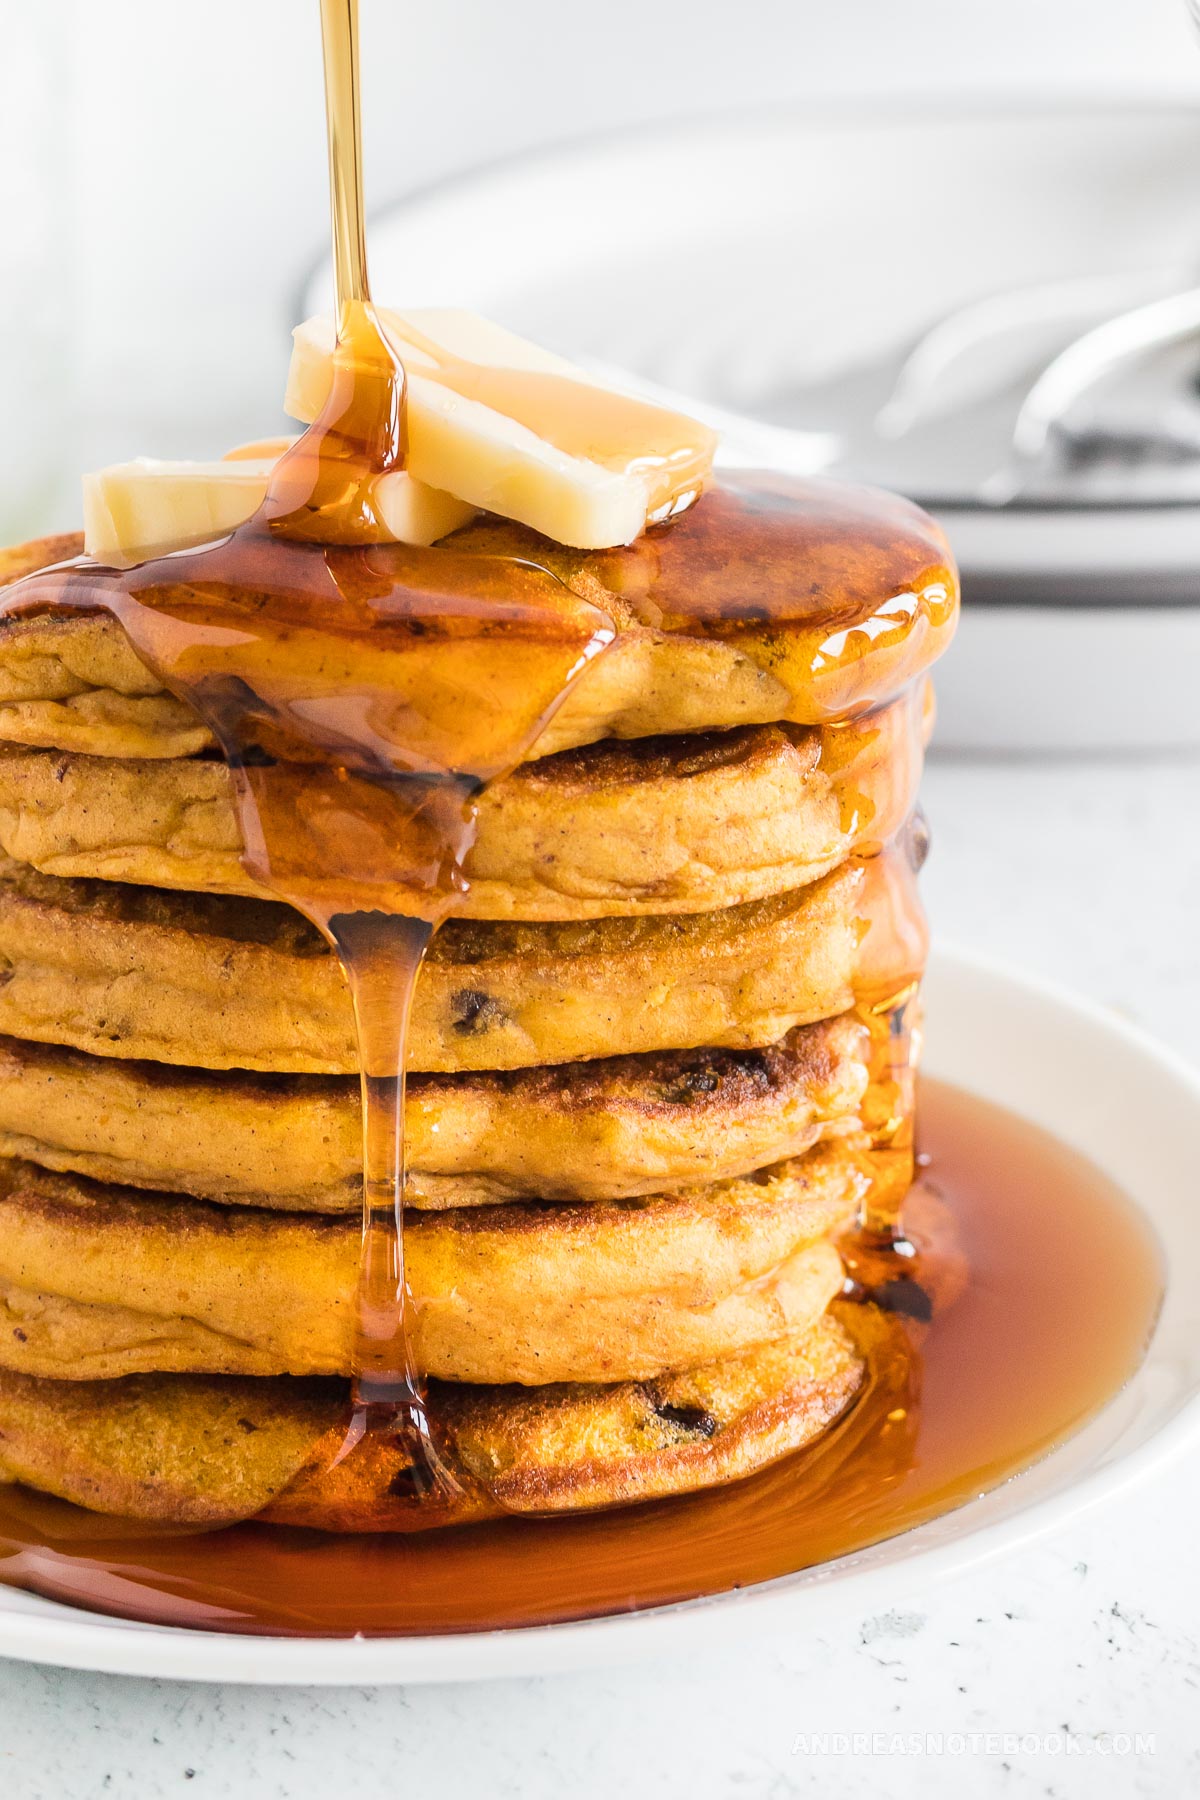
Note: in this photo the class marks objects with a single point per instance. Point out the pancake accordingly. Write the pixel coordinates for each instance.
(75, 683)
(602, 1130)
(104, 1281)
(227, 983)
(664, 825)
(208, 1451)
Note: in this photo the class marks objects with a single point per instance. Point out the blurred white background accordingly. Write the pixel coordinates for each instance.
(162, 167)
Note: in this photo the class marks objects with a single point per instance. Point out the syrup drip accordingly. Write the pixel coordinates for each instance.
(1064, 1282)
(888, 1002)
(890, 842)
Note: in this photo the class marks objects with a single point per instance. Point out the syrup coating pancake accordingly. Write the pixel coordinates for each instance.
(664, 825)
(209, 1450)
(224, 983)
(601, 1130)
(806, 575)
(104, 1281)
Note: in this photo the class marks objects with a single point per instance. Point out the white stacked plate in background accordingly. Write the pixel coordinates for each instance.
(747, 258)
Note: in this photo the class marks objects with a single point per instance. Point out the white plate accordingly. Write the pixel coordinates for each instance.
(1083, 1073)
(733, 256)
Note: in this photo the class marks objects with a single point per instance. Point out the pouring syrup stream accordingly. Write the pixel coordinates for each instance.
(380, 953)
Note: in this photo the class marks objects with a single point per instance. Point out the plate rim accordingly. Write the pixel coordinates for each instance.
(93, 1642)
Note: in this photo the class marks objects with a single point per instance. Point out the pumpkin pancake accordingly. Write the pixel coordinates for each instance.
(227, 983)
(600, 1130)
(662, 825)
(178, 1449)
(105, 1281)
(868, 591)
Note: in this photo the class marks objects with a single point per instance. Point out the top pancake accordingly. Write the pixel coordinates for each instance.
(74, 683)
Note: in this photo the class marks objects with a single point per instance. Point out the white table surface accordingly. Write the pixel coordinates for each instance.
(1085, 870)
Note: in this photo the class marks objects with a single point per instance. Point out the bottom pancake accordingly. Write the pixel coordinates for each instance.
(212, 1450)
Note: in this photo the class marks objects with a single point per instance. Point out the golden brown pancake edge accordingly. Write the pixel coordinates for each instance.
(212, 1450)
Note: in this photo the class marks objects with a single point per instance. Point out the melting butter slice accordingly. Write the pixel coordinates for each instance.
(136, 510)
(518, 431)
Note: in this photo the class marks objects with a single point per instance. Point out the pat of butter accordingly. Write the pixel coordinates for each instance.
(515, 430)
(137, 510)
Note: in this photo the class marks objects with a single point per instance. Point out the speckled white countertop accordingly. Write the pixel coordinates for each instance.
(1086, 870)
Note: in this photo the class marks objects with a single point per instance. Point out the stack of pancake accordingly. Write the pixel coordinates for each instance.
(633, 1121)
